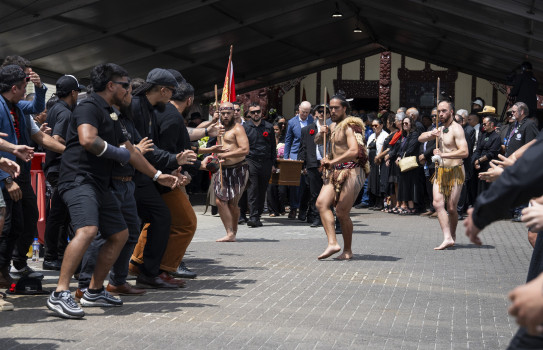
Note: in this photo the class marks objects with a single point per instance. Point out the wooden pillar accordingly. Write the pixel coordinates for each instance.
(384, 80)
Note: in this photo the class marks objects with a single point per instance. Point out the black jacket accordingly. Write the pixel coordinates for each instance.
(489, 146)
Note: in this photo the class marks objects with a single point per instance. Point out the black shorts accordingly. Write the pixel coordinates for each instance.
(90, 206)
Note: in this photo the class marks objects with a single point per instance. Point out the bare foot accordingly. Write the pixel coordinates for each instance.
(446, 244)
(330, 250)
(345, 256)
(227, 238)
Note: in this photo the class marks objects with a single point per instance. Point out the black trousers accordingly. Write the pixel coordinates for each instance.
(58, 222)
(522, 340)
(153, 210)
(259, 176)
(13, 226)
(314, 177)
(30, 214)
(277, 196)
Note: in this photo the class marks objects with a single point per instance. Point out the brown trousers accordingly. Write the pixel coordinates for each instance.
(182, 230)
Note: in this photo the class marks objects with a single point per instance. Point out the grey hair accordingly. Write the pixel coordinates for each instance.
(400, 116)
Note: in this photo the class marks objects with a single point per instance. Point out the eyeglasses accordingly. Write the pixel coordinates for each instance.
(374, 126)
(125, 85)
(320, 111)
(255, 112)
(171, 89)
(406, 124)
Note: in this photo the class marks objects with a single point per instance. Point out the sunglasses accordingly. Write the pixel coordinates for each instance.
(374, 126)
(171, 89)
(27, 78)
(237, 109)
(255, 112)
(320, 111)
(125, 85)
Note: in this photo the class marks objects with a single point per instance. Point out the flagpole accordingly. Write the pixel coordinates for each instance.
(219, 141)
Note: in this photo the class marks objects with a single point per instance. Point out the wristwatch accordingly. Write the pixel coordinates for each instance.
(8, 180)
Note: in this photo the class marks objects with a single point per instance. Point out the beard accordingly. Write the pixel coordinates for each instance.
(228, 122)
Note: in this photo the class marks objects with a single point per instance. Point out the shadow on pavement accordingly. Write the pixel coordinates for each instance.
(471, 246)
(375, 257)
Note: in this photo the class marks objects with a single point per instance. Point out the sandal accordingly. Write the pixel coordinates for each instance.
(408, 211)
(396, 210)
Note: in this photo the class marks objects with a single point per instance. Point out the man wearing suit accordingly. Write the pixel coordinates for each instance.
(292, 147)
(312, 154)
(467, 196)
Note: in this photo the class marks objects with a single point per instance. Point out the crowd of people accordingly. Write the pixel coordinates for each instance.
(118, 161)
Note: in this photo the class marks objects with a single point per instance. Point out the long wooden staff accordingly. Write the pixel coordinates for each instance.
(219, 140)
(324, 140)
(437, 116)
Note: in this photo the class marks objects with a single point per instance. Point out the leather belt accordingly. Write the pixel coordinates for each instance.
(122, 178)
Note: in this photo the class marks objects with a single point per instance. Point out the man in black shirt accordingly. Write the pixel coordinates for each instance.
(261, 159)
(488, 148)
(517, 184)
(94, 143)
(150, 98)
(58, 118)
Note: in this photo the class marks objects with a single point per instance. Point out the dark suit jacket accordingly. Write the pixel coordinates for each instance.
(469, 133)
(308, 150)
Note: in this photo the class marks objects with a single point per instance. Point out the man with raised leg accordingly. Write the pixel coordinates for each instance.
(345, 170)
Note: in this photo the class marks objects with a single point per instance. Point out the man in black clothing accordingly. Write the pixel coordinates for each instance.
(312, 154)
(261, 159)
(488, 148)
(519, 133)
(525, 88)
(467, 196)
(518, 184)
(153, 95)
(58, 118)
(94, 143)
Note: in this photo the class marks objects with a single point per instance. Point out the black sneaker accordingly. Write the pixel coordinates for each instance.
(183, 272)
(103, 298)
(26, 271)
(52, 265)
(64, 305)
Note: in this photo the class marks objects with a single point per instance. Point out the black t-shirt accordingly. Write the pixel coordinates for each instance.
(58, 119)
(131, 134)
(78, 162)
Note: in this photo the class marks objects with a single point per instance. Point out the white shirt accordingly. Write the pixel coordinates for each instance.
(318, 153)
(380, 140)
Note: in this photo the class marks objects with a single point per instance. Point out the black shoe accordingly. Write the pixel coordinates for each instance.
(242, 220)
(52, 265)
(361, 206)
(214, 210)
(26, 271)
(254, 223)
(183, 272)
(316, 223)
(302, 217)
(146, 282)
(292, 214)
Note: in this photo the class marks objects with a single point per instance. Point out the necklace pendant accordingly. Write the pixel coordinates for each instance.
(445, 130)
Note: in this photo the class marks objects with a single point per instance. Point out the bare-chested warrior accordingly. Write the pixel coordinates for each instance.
(235, 172)
(345, 169)
(449, 175)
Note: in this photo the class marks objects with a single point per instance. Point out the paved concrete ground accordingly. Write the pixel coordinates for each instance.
(268, 291)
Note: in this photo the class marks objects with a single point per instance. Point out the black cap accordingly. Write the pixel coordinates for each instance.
(68, 83)
(11, 74)
(177, 75)
(160, 76)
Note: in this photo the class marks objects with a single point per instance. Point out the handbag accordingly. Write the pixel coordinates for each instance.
(408, 163)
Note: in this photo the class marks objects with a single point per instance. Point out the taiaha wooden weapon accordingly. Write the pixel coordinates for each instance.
(437, 116)
(324, 140)
(219, 138)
